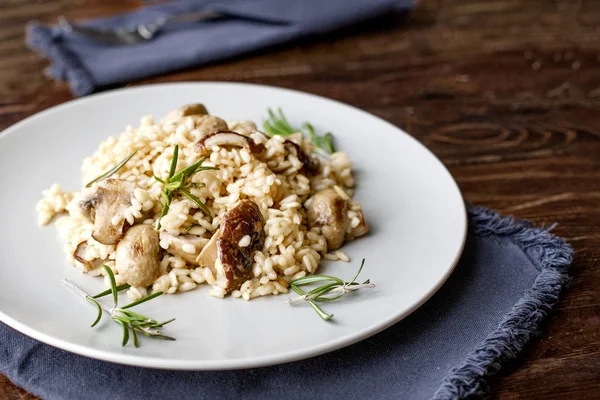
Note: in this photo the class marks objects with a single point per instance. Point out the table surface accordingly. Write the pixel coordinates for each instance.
(506, 93)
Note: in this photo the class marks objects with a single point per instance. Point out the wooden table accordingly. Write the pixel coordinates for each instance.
(506, 93)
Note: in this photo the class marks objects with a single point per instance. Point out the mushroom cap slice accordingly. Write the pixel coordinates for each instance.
(208, 124)
(104, 201)
(79, 255)
(185, 111)
(235, 262)
(137, 259)
(229, 138)
(181, 245)
(329, 211)
(310, 164)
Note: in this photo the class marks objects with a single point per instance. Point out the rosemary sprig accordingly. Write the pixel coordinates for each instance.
(277, 124)
(112, 171)
(332, 288)
(180, 183)
(130, 321)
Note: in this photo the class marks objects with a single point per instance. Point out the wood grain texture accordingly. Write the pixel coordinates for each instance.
(506, 93)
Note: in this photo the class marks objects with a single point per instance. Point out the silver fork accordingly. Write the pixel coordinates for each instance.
(139, 33)
(146, 32)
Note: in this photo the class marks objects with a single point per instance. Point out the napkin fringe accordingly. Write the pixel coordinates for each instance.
(523, 321)
(42, 40)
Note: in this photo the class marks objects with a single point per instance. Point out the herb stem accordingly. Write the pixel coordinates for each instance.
(111, 171)
(83, 294)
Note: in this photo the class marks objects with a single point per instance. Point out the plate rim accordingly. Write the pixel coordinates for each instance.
(235, 363)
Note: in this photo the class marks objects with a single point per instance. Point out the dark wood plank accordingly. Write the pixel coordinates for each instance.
(506, 93)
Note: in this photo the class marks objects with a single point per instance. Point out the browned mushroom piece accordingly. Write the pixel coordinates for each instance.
(79, 255)
(208, 124)
(329, 211)
(186, 247)
(137, 259)
(236, 257)
(229, 138)
(101, 203)
(185, 111)
(309, 163)
(203, 122)
(239, 236)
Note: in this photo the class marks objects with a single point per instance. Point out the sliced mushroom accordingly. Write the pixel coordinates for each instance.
(104, 201)
(223, 251)
(79, 255)
(185, 246)
(208, 255)
(229, 138)
(203, 122)
(185, 111)
(329, 211)
(245, 219)
(208, 124)
(137, 258)
(309, 163)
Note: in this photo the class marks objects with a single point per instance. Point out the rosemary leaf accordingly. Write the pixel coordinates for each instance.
(109, 291)
(164, 337)
(315, 293)
(161, 324)
(142, 300)
(173, 185)
(133, 316)
(174, 161)
(327, 142)
(307, 280)
(113, 284)
(322, 314)
(94, 302)
(112, 171)
(189, 228)
(135, 338)
(315, 139)
(197, 201)
(362, 263)
(125, 332)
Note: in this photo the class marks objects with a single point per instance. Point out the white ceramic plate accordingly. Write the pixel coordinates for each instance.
(413, 206)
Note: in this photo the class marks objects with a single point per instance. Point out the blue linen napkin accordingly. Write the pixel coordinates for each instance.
(506, 282)
(88, 65)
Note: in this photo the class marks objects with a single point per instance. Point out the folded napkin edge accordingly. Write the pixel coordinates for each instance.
(43, 41)
(525, 317)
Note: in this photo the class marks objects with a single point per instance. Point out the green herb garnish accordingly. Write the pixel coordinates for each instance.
(189, 228)
(277, 124)
(332, 288)
(129, 320)
(112, 171)
(180, 183)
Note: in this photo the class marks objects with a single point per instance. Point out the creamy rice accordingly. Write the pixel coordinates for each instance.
(276, 184)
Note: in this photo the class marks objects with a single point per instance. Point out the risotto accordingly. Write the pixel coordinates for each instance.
(256, 211)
